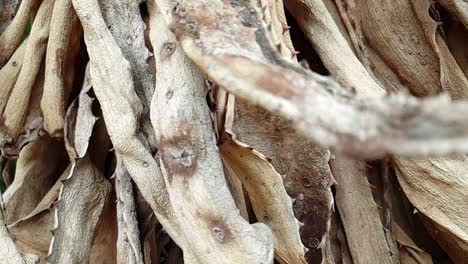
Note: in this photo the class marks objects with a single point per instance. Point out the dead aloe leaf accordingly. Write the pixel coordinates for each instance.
(9, 253)
(31, 129)
(269, 199)
(367, 242)
(112, 82)
(81, 201)
(38, 167)
(17, 106)
(320, 28)
(11, 37)
(63, 40)
(9, 74)
(409, 252)
(440, 194)
(128, 243)
(79, 122)
(104, 249)
(303, 166)
(419, 126)
(191, 161)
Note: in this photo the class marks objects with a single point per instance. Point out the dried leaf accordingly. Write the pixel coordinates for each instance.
(411, 253)
(359, 213)
(17, 107)
(269, 199)
(121, 107)
(191, 163)
(10, 38)
(128, 243)
(63, 40)
(303, 166)
(79, 122)
(39, 166)
(82, 199)
(9, 253)
(9, 74)
(402, 124)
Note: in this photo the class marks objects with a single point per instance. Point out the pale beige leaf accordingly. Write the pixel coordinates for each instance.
(271, 203)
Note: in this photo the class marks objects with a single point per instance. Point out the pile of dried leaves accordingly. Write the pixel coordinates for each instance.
(166, 131)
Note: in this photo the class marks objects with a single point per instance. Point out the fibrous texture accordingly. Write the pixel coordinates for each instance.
(200, 131)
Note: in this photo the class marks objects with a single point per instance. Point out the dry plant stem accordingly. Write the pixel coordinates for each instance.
(192, 168)
(9, 74)
(269, 199)
(367, 241)
(128, 243)
(17, 106)
(113, 86)
(80, 205)
(54, 96)
(430, 126)
(335, 52)
(11, 37)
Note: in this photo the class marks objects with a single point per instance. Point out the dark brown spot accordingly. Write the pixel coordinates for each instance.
(167, 50)
(60, 61)
(14, 64)
(219, 230)
(178, 152)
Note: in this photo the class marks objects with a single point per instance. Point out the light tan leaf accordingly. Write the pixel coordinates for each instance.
(11, 37)
(39, 166)
(77, 212)
(79, 122)
(359, 214)
(17, 106)
(191, 164)
(409, 252)
(63, 46)
(269, 199)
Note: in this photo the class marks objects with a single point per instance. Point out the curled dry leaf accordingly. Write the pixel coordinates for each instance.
(373, 126)
(367, 243)
(11, 37)
(61, 52)
(77, 211)
(9, 74)
(127, 28)
(269, 199)
(437, 188)
(320, 28)
(32, 233)
(191, 164)
(9, 253)
(410, 252)
(32, 125)
(121, 107)
(303, 165)
(39, 165)
(79, 122)
(128, 243)
(17, 107)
